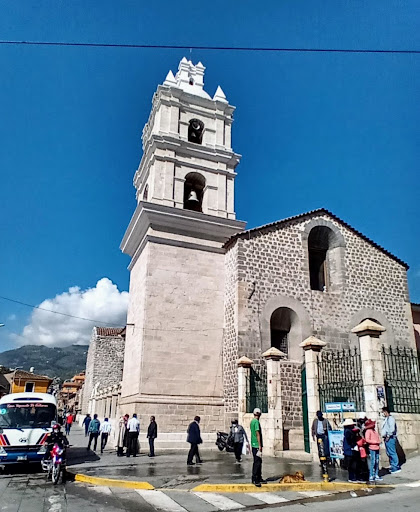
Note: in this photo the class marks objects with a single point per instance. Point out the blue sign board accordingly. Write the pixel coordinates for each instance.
(340, 407)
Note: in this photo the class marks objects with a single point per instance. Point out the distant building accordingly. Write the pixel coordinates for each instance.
(70, 394)
(104, 367)
(22, 381)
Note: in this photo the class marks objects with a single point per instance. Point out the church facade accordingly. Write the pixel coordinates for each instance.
(204, 292)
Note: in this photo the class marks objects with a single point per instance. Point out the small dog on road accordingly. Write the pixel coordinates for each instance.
(292, 479)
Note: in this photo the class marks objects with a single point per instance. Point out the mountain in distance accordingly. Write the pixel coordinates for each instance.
(63, 362)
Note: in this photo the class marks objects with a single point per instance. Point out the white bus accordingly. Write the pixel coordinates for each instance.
(25, 421)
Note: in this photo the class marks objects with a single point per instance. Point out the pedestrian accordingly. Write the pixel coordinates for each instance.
(373, 441)
(349, 443)
(122, 435)
(257, 447)
(389, 434)
(93, 431)
(320, 428)
(69, 422)
(86, 423)
(238, 436)
(152, 435)
(362, 471)
(194, 438)
(105, 430)
(133, 427)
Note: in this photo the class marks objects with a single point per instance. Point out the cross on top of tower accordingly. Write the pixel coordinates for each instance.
(190, 78)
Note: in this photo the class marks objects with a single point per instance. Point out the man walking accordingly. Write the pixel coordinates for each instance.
(320, 428)
(105, 430)
(86, 423)
(152, 435)
(69, 422)
(194, 438)
(238, 436)
(133, 427)
(389, 434)
(93, 432)
(257, 446)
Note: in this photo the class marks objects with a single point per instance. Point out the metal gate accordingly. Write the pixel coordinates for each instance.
(306, 438)
(256, 390)
(402, 379)
(340, 377)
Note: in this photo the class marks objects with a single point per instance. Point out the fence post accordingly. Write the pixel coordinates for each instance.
(369, 333)
(273, 426)
(244, 367)
(312, 346)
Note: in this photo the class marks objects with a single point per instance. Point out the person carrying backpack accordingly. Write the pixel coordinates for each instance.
(373, 440)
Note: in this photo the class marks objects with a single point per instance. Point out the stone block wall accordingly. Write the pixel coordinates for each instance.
(104, 364)
(291, 394)
(269, 269)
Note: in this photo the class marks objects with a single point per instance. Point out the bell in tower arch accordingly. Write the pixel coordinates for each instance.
(195, 131)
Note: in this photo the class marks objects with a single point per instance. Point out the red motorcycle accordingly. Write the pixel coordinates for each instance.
(55, 466)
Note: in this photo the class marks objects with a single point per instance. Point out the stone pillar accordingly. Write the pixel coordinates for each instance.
(273, 422)
(369, 333)
(312, 346)
(244, 367)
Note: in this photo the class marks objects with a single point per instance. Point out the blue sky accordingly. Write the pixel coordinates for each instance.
(339, 131)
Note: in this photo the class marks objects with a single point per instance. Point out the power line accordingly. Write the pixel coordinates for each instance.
(209, 48)
(58, 312)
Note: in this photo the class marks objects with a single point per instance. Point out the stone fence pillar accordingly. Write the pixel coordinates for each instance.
(369, 333)
(244, 368)
(273, 424)
(312, 346)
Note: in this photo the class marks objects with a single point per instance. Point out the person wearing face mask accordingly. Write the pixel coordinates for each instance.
(320, 428)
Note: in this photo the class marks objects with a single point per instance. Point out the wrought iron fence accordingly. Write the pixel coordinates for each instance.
(402, 379)
(340, 377)
(256, 394)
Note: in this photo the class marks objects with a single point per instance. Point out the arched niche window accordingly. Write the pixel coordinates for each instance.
(318, 246)
(146, 193)
(195, 131)
(284, 328)
(193, 191)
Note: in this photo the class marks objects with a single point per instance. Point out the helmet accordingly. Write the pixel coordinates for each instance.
(56, 428)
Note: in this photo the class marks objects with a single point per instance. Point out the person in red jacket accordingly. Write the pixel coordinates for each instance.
(69, 423)
(373, 440)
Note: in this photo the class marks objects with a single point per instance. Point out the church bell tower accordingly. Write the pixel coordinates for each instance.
(185, 213)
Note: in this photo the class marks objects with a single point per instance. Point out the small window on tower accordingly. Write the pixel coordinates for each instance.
(195, 131)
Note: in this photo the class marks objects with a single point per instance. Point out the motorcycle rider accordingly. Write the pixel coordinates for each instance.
(57, 437)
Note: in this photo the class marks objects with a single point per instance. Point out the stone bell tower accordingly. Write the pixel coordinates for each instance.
(185, 213)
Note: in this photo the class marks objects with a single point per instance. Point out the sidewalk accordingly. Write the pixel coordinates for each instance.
(168, 470)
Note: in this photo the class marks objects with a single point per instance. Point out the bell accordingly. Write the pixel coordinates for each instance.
(193, 197)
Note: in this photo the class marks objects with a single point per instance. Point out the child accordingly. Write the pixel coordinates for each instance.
(373, 440)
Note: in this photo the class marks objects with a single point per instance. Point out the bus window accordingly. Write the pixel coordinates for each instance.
(26, 415)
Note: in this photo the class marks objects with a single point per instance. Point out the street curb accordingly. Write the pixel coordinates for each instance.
(274, 487)
(110, 482)
(229, 488)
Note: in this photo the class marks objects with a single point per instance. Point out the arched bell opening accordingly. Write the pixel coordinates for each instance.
(194, 191)
(195, 130)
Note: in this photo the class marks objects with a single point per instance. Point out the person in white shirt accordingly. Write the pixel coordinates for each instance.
(105, 430)
(133, 427)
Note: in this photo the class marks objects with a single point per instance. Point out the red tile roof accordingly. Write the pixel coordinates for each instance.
(110, 331)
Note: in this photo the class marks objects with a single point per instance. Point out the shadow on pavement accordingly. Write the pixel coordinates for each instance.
(80, 455)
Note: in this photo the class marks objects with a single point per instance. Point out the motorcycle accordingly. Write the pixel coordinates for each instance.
(223, 442)
(55, 466)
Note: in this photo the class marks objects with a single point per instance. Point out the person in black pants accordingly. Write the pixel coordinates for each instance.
(194, 438)
(152, 435)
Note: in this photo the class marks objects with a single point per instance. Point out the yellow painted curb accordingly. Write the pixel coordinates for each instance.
(302, 486)
(127, 484)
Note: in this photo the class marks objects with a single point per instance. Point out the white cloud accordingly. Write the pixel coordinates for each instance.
(103, 303)
(11, 317)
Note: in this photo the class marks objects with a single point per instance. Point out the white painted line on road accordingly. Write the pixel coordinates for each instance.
(267, 497)
(55, 505)
(413, 484)
(314, 494)
(219, 501)
(160, 501)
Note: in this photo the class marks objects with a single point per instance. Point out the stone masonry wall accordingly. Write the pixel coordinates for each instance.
(104, 365)
(291, 394)
(271, 270)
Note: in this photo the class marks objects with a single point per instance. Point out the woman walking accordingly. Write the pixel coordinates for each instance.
(237, 436)
(373, 440)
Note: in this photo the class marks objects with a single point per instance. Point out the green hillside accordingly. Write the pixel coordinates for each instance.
(63, 362)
